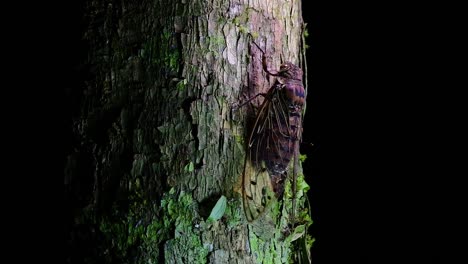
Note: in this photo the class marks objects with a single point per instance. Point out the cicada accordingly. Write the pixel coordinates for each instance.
(273, 139)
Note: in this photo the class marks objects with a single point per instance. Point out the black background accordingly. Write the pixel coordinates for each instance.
(381, 118)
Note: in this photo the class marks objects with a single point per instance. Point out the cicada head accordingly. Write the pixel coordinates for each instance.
(290, 71)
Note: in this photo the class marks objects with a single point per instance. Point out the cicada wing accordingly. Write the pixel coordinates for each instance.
(278, 147)
(257, 188)
(268, 156)
(257, 191)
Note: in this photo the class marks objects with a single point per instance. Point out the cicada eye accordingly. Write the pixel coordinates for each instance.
(284, 67)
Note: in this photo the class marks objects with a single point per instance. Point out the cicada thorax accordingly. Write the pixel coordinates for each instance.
(272, 141)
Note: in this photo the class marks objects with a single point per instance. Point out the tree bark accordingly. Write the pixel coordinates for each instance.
(156, 141)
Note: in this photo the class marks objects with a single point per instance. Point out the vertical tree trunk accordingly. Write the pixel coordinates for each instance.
(156, 141)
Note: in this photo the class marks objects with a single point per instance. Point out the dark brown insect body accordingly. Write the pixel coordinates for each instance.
(273, 139)
(277, 127)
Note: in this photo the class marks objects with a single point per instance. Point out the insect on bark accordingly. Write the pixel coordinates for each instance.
(273, 139)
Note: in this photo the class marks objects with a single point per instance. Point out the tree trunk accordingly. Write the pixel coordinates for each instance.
(156, 141)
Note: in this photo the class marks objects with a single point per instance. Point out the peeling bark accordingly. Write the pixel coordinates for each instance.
(156, 141)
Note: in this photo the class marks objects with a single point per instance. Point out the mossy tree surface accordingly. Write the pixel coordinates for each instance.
(156, 141)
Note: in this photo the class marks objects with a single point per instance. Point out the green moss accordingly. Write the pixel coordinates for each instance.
(298, 236)
(254, 34)
(215, 44)
(221, 20)
(189, 167)
(181, 85)
(242, 21)
(179, 212)
(239, 139)
(174, 60)
(174, 227)
(302, 158)
(243, 29)
(234, 213)
(161, 51)
(142, 228)
(243, 18)
(125, 233)
(305, 34)
(289, 240)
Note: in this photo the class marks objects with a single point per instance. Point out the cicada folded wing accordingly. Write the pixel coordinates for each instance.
(273, 139)
(257, 191)
(270, 148)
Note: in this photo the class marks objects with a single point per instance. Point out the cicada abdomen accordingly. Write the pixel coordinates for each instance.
(273, 139)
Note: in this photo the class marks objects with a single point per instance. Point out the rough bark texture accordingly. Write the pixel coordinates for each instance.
(156, 143)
